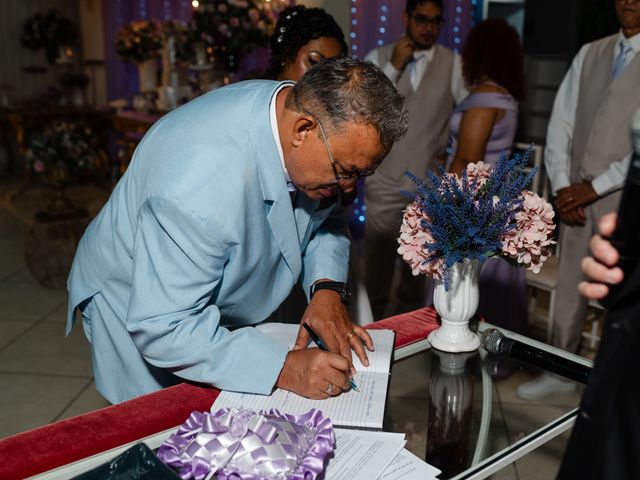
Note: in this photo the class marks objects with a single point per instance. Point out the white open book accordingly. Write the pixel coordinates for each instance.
(350, 409)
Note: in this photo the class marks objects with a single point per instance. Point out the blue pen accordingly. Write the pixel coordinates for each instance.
(316, 339)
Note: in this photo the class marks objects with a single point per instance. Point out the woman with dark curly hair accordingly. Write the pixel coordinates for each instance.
(483, 126)
(302, 38)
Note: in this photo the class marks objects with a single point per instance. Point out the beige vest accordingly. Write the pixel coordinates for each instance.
(601, 133)
(429, 109)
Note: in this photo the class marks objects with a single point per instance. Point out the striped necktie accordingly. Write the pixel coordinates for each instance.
(413, 74)
(621, 60)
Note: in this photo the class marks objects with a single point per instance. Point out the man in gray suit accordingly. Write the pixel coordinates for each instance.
(429, 76)
(587, 157)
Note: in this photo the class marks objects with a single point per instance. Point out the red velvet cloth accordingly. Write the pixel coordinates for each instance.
(409, 327)
(67, 441)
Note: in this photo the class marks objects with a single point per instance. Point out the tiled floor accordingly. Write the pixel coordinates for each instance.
(45, 377)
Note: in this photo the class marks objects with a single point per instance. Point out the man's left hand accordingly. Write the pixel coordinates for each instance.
(329, 318)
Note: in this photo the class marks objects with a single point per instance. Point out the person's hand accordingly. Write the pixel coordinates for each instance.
(601, 267)
(402, 53)
(329, 318)
(314, 373)
(573, 217)
(570, 202)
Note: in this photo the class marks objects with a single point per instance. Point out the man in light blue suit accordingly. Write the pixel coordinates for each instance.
(200, 239)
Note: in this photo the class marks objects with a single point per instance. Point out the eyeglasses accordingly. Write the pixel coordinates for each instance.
(340, 177)
(422, 20)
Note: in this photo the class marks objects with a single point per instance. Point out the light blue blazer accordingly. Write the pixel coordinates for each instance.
(199, 238)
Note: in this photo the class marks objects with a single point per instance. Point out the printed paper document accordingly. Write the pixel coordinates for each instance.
(352, 409)
(361, 455)
(406, 466)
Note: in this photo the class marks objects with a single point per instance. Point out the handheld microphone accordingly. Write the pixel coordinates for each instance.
(626, 238)
(495, 342)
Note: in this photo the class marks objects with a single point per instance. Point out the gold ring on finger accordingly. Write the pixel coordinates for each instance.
(350, 334)
(329, 388)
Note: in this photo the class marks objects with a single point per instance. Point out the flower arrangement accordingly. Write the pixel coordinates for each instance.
(61, 152)
(139, 41)
(229, 29)
(482, 213)
(49, 31)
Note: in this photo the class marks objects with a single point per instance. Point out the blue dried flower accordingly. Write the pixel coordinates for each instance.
(467, 218)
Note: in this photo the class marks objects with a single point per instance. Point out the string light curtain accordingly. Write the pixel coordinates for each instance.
(377, 22)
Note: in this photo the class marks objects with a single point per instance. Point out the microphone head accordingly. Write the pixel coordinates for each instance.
(491, 339)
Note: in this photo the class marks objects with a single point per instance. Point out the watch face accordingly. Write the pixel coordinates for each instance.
(345, 296)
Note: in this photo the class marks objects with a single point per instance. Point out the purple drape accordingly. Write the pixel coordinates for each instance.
(378, 22)
(122, 78)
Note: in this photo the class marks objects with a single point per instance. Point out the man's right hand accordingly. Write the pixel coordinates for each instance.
(402, 53)
(314, 373)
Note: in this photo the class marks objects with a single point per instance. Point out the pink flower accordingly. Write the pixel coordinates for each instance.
(412, 240)
(480, 171)
(529, 243)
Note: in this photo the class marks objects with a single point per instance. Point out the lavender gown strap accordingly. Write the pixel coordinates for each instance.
(488, 100)
(503, 133)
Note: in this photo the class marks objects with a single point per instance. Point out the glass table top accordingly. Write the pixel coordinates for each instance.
(454, 409)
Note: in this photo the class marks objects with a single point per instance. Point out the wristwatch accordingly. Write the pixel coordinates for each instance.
(341, 288)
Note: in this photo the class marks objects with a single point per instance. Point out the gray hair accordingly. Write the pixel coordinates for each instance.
(342, 90)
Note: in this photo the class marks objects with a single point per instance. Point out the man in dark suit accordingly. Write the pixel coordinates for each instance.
(606, 437)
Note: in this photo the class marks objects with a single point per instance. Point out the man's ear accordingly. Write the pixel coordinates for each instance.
(405, 19)
(302, 128)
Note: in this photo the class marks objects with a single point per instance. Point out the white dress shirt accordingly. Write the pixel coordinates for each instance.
(273, 119)
(418, 67)
(560, 130)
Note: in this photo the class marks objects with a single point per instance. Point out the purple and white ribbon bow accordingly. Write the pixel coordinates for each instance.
(250, 446)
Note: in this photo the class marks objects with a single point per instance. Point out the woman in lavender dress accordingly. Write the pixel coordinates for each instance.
(482, 127)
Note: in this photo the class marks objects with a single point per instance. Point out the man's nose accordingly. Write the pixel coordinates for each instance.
(348, 186)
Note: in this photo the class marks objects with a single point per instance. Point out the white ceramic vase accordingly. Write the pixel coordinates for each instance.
(456, 306)
(148, 75)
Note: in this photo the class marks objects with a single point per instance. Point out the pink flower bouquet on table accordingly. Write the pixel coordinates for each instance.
(482, 213)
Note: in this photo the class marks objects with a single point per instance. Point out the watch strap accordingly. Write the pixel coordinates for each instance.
(339, 287)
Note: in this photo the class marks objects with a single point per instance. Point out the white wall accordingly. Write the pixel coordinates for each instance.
(339, 9)
(93, 49)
